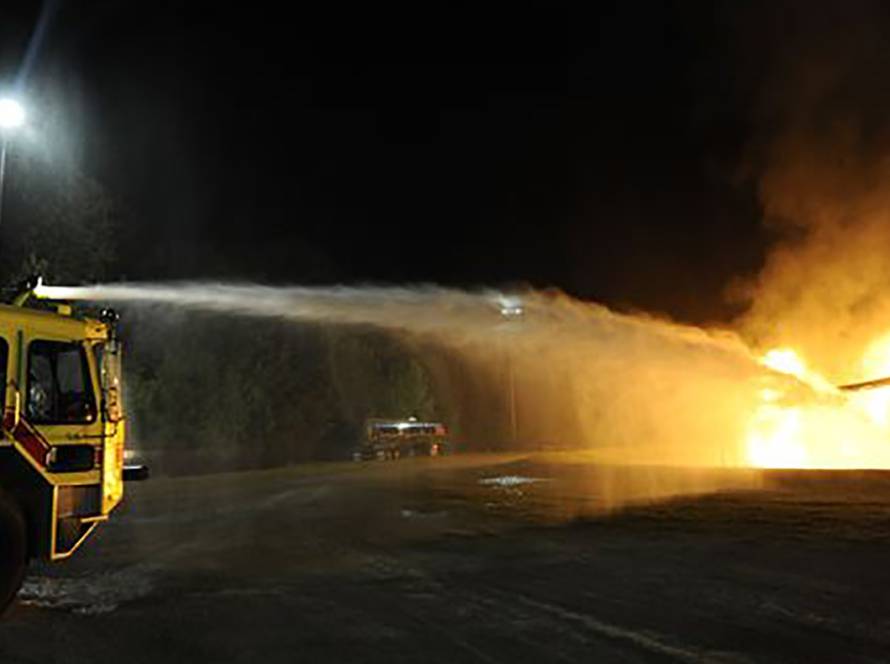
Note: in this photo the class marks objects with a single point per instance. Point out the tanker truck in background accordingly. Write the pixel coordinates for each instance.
(62, 448)
(396, 438)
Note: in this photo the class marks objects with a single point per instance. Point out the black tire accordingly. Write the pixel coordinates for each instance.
(13, 550)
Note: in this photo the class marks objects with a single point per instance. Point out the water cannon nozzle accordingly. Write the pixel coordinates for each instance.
(32, 282)
(27, 288)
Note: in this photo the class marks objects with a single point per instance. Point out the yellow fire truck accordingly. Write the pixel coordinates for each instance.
(62, 449)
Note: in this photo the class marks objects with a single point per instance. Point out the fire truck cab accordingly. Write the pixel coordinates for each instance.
(62, 446)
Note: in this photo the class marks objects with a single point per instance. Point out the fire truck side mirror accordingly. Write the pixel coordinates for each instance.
(113, 405)
(13, 414)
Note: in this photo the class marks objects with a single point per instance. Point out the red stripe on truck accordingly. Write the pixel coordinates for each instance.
(29, 438)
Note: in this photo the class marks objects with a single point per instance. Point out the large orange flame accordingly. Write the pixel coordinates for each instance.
(827, 428)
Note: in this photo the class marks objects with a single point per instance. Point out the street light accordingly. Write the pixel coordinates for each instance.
(12, 116)
(512, 311)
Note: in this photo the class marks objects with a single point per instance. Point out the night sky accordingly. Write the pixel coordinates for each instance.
(600, 153)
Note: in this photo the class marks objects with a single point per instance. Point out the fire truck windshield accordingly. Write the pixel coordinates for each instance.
(59, 389)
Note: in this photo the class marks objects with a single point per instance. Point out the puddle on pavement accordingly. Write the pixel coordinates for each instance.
(91, 594)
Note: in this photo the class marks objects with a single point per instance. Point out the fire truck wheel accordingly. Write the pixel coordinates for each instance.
(13, 554)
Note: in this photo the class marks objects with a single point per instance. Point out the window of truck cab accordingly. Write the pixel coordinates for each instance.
(4, 361)
(60, 389)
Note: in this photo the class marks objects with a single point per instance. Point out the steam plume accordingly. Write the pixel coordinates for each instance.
(824, 183)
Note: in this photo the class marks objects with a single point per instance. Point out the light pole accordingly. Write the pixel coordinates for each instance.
(12, 116)
(512, 311)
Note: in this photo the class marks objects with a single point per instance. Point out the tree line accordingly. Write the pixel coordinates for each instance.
(210, 392)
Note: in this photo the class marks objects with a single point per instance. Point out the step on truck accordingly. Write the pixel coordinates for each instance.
(62, 449)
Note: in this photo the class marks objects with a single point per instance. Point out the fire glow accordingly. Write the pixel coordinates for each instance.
(831, 429)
